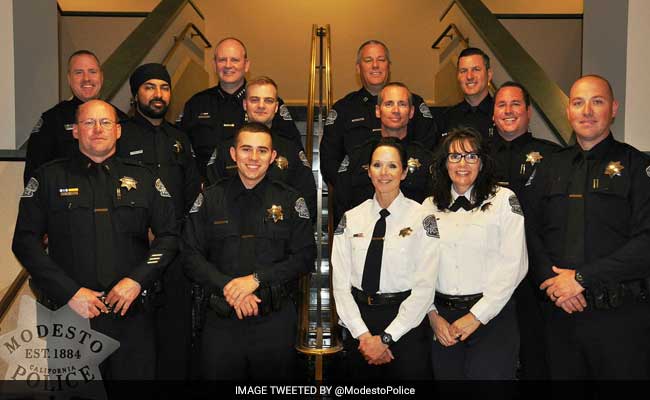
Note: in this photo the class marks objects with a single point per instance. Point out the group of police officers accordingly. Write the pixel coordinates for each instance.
(185, 241)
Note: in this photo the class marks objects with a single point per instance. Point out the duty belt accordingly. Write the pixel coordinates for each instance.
(464, 302)
(379, 299)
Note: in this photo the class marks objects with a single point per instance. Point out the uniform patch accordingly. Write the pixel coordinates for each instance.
(431, 226)
(162, 189)
(514, 205)
(303, 158)
(30, 188)
(331, 117)
(37, 127)
(213, 157)
(301, 208)
(284, 113)
(426, 112)
(341, 227)
(344, 164)
(197, 203)
(647, 171)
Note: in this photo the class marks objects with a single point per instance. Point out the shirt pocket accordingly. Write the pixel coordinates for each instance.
(130, 216)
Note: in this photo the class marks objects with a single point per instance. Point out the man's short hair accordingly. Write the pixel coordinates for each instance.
(254, 127)
(236, 40)
(83, 52)
(373, 41)
(516, 85)
(111, 107)
(609, 86)
(397, 84)
(262, 80)
(473, 51)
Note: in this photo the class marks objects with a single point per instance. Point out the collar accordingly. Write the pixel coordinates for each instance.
(486, 106)
(366, 96)
(455, 195)
(238, 94)
(84, 164)
(140, 120)
(238, 189)
(520, 141)
(599, 151)
(394, 208)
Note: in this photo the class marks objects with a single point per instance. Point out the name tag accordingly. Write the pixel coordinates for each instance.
(358, 119)
(135, 152)
(68, 127)
(204, 116)
(228, 125)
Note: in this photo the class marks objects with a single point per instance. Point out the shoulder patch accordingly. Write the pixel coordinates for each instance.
(162, 189)
(514, 205)
(303, 158)
(301, 208)
(424, 109)
(284, 113)
(192, 151)
(344, 164)
(331, 117)
(197, 203)
(341, 227)
(647, 171)
(37, 127)
(30, 188)
(431, 226)
(213, 157)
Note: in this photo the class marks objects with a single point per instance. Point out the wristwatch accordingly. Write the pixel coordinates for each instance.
(387, 339)
(580, 279)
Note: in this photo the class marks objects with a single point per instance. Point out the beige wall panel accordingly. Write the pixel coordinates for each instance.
(11, 181)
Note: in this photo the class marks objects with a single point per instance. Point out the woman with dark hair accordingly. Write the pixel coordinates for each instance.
(384, 265)
(482, 260)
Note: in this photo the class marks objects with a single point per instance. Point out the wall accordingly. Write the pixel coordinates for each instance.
(108, 5)
(7, 85)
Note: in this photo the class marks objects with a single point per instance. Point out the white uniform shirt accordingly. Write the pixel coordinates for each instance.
(409, 262)
(482, 251)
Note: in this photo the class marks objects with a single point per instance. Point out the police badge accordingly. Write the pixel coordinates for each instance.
(275, 213)
(30, 188)
(413, 164)
(341, 227)
(128, 183)
(282, 162)
(301, 208)
(197, 203)
(178, 147)
(162, 189)
(514, 205)
(533, 157)
(614, 169)
(431, 226)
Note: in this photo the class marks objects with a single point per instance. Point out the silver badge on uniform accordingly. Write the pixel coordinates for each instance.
(284, 113)
(38, 125)
(303, 158)
(30, 188)
(197, 203)
(301, 208)
(424, 109)
(431, 226)
(341, 227)
(331, 117)
(213, 157)
(162, 189)
(514, 205)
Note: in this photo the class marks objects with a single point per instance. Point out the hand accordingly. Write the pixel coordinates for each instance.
(248, 307)
(441, 330)
(238, 288)
(562, 286)
(573, 304)
(86, 303)
(122, 295)
(371, 347)
(385, 358)
(464, 326)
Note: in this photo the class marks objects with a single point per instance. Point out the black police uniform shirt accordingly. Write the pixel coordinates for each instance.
(616, 214)
(353, 120)
(213, 115)
(58, 201)
(464, 114)
(290, 167)
(355, 184)
(233, 232)
(167, 151)
(52, 137)
(518, 161)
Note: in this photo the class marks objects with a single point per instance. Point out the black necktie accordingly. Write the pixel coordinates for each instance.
(372, 266)
(461, 202)
(104, 247)
(575, 236)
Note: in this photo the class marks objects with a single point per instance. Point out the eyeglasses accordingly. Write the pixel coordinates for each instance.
(470, 158)
(90, 123)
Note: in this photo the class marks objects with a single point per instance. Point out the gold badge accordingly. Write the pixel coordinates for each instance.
(614, 168)
(275, 213)
(533, 157)
(178, 147)
(282, 162)
(405, 232)
(128, 183)
(413, 164)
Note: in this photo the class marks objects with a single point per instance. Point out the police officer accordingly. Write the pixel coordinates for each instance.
(216, 113)
(248, 239)
(290, 166)
(474, 74)
(97, 210)
(394, 109)
(148, 139)
(52, 138)
(518, 157)
(353, 119)
(589, 245)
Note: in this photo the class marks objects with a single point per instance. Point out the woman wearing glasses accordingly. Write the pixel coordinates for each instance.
(482, 260)
(384, 264)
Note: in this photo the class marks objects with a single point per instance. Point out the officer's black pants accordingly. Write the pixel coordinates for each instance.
(532, 351)
(135, 359)
(489, 353)
(600, 344)
(411, 351)
(255, 348)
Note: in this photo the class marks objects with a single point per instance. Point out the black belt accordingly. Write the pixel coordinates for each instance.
(379, 299)
(457, 302)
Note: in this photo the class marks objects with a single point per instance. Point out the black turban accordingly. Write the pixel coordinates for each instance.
(148, 71)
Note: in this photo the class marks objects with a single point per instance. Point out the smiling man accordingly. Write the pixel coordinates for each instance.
(248, 240)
